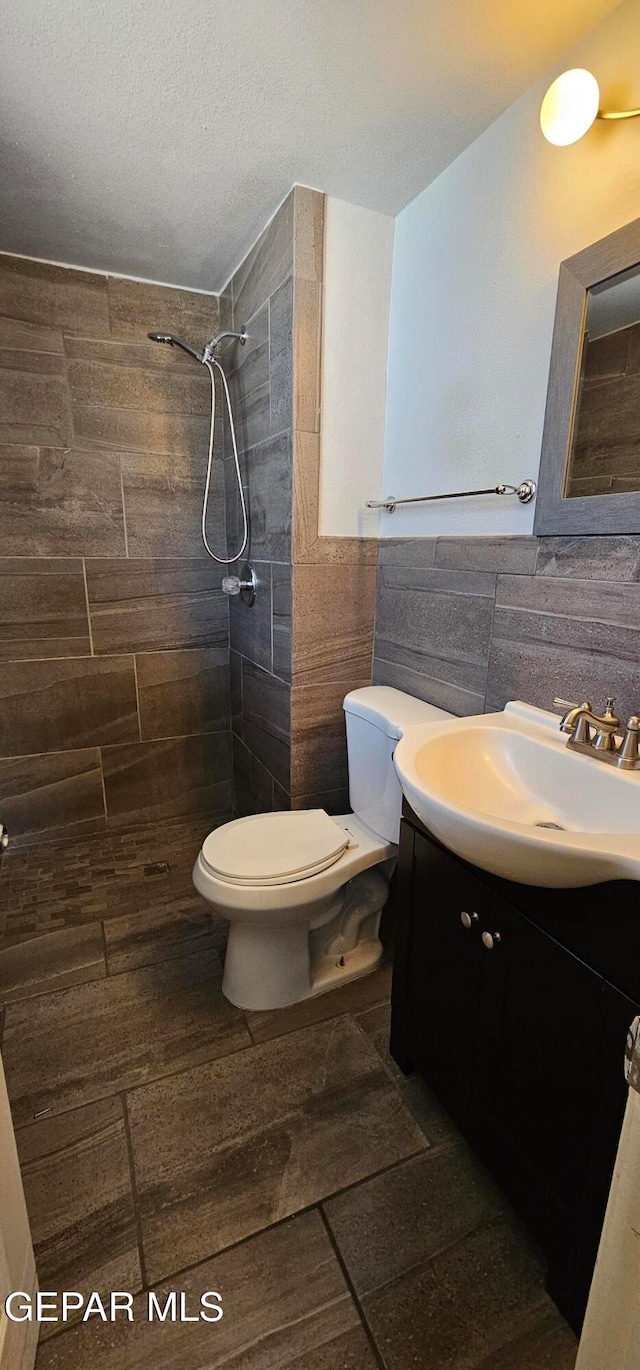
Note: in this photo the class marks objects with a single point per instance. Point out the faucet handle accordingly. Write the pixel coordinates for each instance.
(567, 704)
(628, 754)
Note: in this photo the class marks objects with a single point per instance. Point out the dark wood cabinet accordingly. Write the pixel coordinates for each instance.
(505, 999)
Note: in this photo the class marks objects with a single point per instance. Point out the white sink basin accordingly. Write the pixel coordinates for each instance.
(484, 785)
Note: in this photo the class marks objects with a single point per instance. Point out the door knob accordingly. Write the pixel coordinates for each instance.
(468, 919)
(490, 940)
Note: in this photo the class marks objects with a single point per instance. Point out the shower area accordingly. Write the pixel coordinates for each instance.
(114, 627)
(141, 705)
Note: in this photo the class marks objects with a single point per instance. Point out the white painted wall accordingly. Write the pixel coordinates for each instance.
(611, 1332)
(358, 248)
(475, 271)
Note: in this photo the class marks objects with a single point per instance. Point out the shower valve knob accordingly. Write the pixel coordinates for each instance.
(244, 585)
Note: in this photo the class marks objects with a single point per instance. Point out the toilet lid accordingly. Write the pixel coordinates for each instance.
(275, 848)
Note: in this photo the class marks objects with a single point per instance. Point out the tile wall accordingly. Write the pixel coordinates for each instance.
(470, 623)
(260, 295)
(334, 579)
(309, 637)
(113, 628)
(114, 694)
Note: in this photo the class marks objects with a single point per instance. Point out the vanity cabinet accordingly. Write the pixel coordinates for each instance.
(514, 1004)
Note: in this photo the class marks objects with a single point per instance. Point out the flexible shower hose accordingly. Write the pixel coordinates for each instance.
(224, 561)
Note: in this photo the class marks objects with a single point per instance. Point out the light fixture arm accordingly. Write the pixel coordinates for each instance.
(618, 113)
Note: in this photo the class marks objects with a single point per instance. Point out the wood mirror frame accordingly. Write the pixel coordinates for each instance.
(608, 513)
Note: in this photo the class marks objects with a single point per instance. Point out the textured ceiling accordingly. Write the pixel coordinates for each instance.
(156, 137)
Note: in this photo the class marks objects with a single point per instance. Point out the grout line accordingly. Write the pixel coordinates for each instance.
(104, 788)
(450, 1243)
(106, 746)
(439, 680)
(124, 511)
(199, 417)
(211, 1060)
(135, 677)
(490, 644)
(120, 559)
(269, 368)
(86, 599)
(312, 1207)
(105, 949)
(271, 615)
(351, 1288)
(153, 1079)
(134, 1190)
(234, 1246)
(53, 989)
(115, 656)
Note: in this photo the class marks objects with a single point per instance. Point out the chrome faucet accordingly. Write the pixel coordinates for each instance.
(596, 734)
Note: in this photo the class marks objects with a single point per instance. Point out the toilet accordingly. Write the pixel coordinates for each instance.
(303, 891)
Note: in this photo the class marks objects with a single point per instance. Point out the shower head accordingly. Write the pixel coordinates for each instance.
(168, 338)
(201, 354)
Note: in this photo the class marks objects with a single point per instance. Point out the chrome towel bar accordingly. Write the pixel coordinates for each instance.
(525, 492)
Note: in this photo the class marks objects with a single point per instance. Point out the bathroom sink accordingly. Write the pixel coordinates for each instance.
(503, 792)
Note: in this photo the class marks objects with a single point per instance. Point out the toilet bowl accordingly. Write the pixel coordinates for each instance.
(304, 892)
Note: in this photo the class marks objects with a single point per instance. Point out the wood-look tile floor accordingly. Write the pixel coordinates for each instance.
(168, 1141)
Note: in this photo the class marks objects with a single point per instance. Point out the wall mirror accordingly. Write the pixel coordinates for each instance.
(590, 465)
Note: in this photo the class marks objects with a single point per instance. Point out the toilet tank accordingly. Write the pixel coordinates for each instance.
(376, 717)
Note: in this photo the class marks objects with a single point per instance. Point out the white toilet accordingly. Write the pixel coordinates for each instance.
(304, 892)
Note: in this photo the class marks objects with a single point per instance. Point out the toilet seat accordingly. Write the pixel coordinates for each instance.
(275, 848)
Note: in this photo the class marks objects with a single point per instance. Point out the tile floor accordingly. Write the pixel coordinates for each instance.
(168, 1141)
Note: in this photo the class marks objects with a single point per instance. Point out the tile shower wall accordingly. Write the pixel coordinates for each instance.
(470, 623)
(260, 295)
(114, 696)
(309, 637)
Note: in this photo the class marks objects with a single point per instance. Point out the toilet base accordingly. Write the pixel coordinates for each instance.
(269, 967)
(328, 973)
(273, 990)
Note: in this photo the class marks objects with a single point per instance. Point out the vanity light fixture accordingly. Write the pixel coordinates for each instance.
(572, 104)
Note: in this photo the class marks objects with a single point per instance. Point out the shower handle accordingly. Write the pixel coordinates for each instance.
(244, 585)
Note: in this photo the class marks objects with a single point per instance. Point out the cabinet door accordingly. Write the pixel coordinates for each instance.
(537, 1079)
(444, 967)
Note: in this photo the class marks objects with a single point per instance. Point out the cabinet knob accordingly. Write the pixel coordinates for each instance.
(468, 919)
(490, 940)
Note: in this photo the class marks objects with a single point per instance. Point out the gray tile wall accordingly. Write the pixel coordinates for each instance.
(305, 642)
(470, 623)
(114, 700)
(260, 295)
